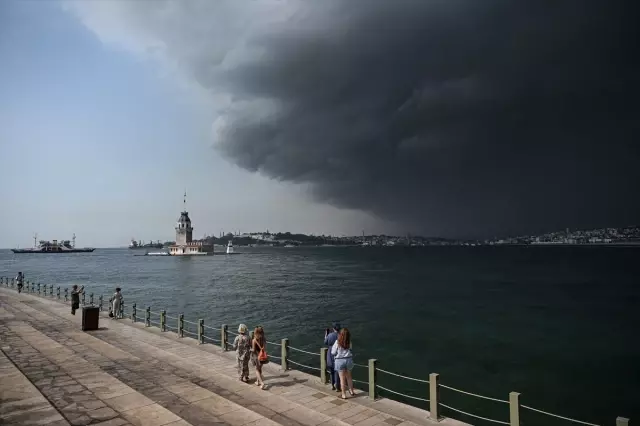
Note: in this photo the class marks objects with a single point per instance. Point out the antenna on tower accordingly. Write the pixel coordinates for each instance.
(184, 201)
(73, 244)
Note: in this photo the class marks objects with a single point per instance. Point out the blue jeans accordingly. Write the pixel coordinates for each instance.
(335, 378)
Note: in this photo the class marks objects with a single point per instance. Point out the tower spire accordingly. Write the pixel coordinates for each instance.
(184, 200)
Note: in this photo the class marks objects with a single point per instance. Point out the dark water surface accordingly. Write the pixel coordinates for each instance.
(558, 324)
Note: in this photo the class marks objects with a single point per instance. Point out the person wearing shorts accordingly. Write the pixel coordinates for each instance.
(343, 361)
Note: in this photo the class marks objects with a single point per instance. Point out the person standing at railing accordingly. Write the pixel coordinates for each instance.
(20, 281)
(259, 354)
(330, 337)
(75, 298)
(343, 363)
(242, 346)
(116, 302)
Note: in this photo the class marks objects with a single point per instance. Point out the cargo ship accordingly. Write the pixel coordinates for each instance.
(139, 245)
(55, 246)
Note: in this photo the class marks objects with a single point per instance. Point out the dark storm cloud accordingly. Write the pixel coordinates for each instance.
(455, 117)
(451, 117)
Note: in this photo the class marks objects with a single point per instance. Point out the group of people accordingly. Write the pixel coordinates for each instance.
(251, 349)
(115, 301)
(339, 359)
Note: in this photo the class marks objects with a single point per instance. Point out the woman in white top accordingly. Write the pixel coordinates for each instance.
(343, 364)
(116, 301)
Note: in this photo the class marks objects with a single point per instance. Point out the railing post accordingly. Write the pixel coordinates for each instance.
(38, 289)
(224, 337)
(163, 320)
(13, 282)
(201, 331)
(133, 312)
(147, 317)
(372, 379)
(434, 396)
(83, 297)
(91, 299)
(181, 325)
(66, 294)
(121, 313)
(284, 354)
(514, 409)
(58, 292)
(323, 365)
(51, 290)
(33, 287)
(100, 302)
(622, 421)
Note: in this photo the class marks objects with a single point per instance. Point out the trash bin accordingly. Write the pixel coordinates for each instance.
(90, 318)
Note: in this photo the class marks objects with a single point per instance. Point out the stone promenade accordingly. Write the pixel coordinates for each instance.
(52, 373)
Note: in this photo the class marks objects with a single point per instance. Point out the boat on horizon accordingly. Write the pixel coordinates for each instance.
(140, 245)
(230, 247)
(54, 246)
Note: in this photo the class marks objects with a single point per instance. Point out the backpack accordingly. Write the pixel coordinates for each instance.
(262, 355)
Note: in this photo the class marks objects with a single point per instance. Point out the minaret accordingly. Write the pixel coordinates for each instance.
(184, 231)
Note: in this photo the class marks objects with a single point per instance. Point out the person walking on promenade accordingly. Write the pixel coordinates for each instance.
(343, 360)
(330, 337)
(20, 281)
(259, 354)
(75, 298)
(116, 303)
(242, 346)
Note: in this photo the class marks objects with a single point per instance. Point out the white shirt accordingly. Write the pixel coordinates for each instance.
(339, 352)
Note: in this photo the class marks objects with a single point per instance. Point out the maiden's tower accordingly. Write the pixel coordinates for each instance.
(185, 246)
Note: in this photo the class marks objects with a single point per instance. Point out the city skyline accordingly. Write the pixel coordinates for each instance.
(473, 120)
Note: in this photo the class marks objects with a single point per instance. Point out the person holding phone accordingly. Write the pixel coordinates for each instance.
(330, 337)
(75, 298)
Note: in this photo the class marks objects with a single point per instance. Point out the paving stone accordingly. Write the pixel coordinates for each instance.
(106, 378)
(150, 415)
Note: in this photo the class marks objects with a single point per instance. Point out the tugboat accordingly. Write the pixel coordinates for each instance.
(54, 246)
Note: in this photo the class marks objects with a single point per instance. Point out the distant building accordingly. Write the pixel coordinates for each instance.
(184, 245)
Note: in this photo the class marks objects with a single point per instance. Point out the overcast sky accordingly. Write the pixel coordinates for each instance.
(440, 117)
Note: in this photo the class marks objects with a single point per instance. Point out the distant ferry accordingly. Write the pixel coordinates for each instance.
(230, 247)
(139, 245)
(54, 246)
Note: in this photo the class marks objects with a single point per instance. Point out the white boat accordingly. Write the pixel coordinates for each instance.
(157, 253)
(230, 247)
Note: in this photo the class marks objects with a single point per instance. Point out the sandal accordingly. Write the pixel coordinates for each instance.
(352, 393)
(343, 396)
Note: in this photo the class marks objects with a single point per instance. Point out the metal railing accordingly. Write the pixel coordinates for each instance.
(432, 397)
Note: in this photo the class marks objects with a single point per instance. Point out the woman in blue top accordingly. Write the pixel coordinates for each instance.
(343, 360)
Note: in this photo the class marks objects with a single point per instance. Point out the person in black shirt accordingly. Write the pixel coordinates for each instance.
(75, 298)
(20, 281)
